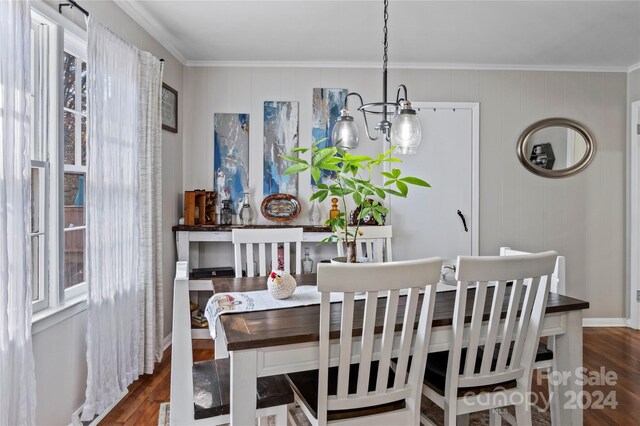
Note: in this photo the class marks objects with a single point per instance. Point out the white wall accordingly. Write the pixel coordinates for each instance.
(582, 217)
(60, 351)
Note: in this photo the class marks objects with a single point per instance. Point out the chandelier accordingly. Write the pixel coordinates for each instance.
(404, 133)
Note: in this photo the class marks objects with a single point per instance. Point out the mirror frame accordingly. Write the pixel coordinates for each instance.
(523, 156)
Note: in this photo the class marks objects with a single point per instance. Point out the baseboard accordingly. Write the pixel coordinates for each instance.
(605, 322)
(166, 342)
(75, 417)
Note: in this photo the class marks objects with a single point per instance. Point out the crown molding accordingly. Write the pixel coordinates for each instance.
(152, 26)
(634, 67)
(405, 65)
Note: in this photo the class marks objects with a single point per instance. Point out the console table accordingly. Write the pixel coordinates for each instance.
(189, 237)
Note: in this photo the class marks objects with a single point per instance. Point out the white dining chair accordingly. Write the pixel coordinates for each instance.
(545, 359)
(261, 237)
(490, 361)
(354, 384)
(374, 243)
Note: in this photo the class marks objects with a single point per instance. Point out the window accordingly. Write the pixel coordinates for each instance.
(39, 165)
(74, 89)
(58, 160)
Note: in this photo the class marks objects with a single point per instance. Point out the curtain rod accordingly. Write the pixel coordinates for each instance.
(72, 4)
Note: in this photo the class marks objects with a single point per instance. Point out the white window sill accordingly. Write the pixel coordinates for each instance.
(51, 316)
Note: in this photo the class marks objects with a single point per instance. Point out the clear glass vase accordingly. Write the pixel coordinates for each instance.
(315, 214)
(246, 212)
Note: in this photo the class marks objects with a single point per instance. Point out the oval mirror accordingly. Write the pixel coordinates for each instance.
(555, 147)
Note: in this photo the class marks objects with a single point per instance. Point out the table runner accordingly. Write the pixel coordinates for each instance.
(252, 301)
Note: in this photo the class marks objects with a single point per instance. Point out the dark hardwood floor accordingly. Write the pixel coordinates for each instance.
(612, 350)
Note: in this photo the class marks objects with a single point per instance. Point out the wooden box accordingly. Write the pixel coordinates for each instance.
(199, 207)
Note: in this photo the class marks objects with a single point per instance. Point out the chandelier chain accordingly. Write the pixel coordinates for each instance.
(385, 56)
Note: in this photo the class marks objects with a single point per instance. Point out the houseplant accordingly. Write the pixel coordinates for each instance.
(351, 177)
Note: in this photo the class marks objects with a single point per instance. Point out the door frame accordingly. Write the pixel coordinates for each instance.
(633, 258)
(474, 107)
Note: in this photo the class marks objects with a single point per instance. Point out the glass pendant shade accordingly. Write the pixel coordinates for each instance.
(406, 132)
(345, 133)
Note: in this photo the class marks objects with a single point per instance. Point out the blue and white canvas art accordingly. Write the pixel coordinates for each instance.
(326, 109)
(280, 137)
(231, 157)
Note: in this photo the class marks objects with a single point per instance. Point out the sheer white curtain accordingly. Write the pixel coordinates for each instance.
(150, 136)
(112, 215)
(17, 378)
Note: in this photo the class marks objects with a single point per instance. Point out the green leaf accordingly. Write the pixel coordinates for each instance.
(323, 196)
(315, 174)
(393, 192)
(327, 166)
(318, 194)
(357, 198)
(387, 175)
(377, 216)
(415, 181)
(300, 149)
(396, 173)
(296, 168)
(293, 159)
(402, 187)
(389, 182)
(323, 154)
(322, 186)
(380, 193)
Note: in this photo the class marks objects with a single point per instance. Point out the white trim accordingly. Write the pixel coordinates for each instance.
(475, 153)
(52, 15)
(152, 26)
(634, 67)
(605, 322)
(404, 65)
(51, 316)
(633, 199)
(166, 342)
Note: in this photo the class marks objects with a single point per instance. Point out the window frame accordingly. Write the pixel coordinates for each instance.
(78, 48)
(57, 302)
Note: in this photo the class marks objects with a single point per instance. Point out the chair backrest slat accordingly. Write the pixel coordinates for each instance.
(366, 342)
(476, 327)
(262, 237)
(346, 330)
(374, 242)
(393, 278)
(492, 326)
(522, 281)
(388, 332)
(406, 337)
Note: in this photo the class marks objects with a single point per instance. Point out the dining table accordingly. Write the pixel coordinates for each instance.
(270, 342)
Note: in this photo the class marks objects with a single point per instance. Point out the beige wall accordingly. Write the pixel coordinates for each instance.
(60, 351)
(582, 217)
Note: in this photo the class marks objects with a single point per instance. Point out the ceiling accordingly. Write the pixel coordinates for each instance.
(590, 35)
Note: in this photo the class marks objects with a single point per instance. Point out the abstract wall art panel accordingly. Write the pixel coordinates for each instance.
(231, 157)
(280, 137)
(326, 109)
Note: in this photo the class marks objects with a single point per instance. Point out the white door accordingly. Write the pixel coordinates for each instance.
(430, 221)
(634, 217)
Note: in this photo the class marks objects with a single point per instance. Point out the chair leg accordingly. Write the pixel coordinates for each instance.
(554, 401)
(462, 419)
(495, 419)
(523, 414)
(281, 415)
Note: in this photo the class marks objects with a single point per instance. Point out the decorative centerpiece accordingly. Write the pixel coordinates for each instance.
(281, 284)
(352, 178)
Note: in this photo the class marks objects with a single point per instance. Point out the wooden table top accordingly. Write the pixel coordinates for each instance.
(250, 330)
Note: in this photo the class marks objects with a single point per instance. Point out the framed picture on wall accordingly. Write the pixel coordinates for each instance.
(169, 108)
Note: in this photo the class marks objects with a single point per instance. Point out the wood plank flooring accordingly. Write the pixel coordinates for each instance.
(615, 350)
